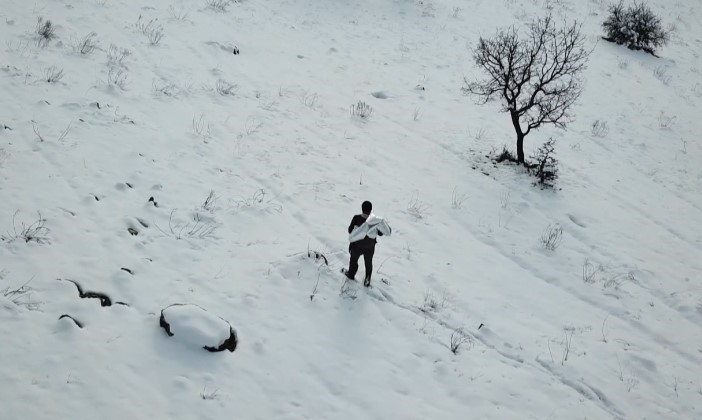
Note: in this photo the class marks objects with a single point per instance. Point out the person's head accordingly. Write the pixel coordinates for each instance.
(367, 207)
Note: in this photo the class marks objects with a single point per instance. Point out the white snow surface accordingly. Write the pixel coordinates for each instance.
(196, 327)
(289, 166)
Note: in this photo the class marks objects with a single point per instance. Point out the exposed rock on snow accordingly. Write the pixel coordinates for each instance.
(86, 294)
(75, 321)
(104, 299)
(195, 326)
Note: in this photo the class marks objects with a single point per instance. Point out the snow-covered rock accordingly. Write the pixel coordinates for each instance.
(193, 325)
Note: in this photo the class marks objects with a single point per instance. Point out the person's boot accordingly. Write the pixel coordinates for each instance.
(366, 282)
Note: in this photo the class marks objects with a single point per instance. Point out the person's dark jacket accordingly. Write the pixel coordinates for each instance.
(365, 243)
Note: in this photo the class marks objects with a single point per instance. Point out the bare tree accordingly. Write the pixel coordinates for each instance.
(537, 76)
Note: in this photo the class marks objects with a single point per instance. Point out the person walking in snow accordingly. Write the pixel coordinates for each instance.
(363, 230)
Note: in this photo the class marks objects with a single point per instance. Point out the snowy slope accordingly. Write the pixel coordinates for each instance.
(289, 167)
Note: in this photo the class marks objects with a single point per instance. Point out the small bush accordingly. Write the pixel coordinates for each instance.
(165, 88)
(201, 127)
(53, 74)
(20, 296)
(504, 155)
(225, 88)
(637, 27)
(117, 55)
(252, 125)
(61, 136)
(179, 14)
(209, 395)
(434, 303)
(551, 237)
(85, 45)
(665, 121)
(152, 30)
(219, 6)
(117, 77)
(46, 32)
(33, 232)
(199, 229)
(590, 271)
(545, 167)
(361, 110)
(600, 129)
(416, 208)
(307, 98)
(661, 73)
(458, 339)
(257, 201)
(209, 203)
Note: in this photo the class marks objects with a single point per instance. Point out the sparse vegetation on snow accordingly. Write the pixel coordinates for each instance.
(173, 214)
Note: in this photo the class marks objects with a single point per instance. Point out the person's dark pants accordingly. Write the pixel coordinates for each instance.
(356, 250)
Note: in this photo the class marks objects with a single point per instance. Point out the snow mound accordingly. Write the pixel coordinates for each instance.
(7, 304)
(194, 326)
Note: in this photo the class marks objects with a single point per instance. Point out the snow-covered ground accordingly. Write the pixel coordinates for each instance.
(289, 166)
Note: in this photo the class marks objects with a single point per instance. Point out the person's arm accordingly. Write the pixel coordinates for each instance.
(352, 225)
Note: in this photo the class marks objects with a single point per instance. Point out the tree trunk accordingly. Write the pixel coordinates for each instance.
(520, 135)
(520, 148)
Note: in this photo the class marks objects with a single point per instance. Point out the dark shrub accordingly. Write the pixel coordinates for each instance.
(637, 27)
(545, 166)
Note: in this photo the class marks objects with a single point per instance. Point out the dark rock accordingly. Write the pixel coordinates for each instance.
(229, 344)
(104, 299)
(72, 319)
(165, 325)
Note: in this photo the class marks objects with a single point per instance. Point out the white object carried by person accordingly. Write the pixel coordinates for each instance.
(373, 226)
